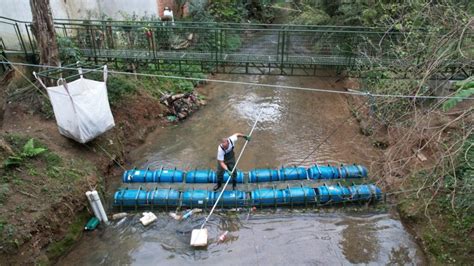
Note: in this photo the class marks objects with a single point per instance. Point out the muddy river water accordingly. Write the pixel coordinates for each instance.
(292, 124)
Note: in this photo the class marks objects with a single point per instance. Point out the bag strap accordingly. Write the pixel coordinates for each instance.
(39, 80)
(106, 72)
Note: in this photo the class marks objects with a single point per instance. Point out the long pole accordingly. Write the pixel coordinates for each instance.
(233, 169)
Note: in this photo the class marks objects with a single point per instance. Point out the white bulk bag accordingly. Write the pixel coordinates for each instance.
(81, 108)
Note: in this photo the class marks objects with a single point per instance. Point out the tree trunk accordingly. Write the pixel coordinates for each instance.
(43, 29)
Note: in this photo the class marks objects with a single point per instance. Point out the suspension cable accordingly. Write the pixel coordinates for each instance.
(355, 93)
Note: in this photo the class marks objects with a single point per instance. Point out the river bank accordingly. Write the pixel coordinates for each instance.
(50, 192)
(43, 205)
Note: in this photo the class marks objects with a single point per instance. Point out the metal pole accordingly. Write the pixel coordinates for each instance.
(21, 40)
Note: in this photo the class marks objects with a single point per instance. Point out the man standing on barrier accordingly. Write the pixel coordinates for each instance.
(226, 159)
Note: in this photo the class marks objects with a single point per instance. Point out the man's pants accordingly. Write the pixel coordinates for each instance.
(220, 172)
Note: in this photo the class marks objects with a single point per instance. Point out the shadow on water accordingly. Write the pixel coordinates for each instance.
(292, 124)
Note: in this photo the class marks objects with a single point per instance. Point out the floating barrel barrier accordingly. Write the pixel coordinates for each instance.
(153, 176)
(198, 197)
(240, 177)
(132, 197)
(263, 175)
(201, 176)
(261, 196)
(295, 195)
(255, 176)
(267, 196)
(293, 173)
(163, 197)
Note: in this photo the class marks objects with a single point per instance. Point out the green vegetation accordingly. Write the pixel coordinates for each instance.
(69, 53)
(120, 86)
(58, 248)
(446, 218)
(37, 179)
(465, 89)
(29, 151)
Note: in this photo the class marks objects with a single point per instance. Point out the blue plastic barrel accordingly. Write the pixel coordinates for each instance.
(293, 173)
(137, 176)
(376, 191)
(163, 197)
(240, 177)
(130, 197)
(323, 172)
(198, 197)
(360, 192)
(201, 176)
(333, 194)
(300, 195)
(263, 175)
(267, 196)
(352, 171)
(168, 176)
(230, 198)
(322, 193)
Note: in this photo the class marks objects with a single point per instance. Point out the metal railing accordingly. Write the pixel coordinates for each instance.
(223, 47)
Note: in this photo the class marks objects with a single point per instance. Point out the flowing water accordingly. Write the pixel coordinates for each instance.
(293, 123)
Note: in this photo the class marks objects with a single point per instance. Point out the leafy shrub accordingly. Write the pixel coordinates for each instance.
(465, 90)
(29, 151)
(119, 86)
(68, 50)
(311, 16)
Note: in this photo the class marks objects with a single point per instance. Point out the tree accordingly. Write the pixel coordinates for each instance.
(43, 29)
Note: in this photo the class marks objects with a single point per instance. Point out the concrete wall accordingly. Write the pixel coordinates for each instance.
(71, 9)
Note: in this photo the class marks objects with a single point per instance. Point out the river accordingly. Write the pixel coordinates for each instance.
(293, 123)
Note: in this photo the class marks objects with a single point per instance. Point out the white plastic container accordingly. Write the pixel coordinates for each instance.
(148, 218)
(119, 215)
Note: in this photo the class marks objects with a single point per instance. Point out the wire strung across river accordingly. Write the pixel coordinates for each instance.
(355, 93)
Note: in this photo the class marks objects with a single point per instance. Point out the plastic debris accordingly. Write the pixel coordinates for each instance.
(176, 216)
(199, 237)
(92, 224)
(119, 215)
(223, 237)
(148, 218)
(171, 118)
(121, 221)
(197, 210)
(186, 215)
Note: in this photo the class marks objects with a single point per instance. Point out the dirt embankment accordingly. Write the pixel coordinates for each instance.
(43, 207)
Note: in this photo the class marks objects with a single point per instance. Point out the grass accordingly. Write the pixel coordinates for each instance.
(58, 248)
(38, 181)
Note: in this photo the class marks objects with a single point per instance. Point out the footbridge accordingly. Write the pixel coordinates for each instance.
(222, 47)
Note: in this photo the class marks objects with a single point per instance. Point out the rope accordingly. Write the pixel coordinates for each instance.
(355, 93)
(232, 172)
